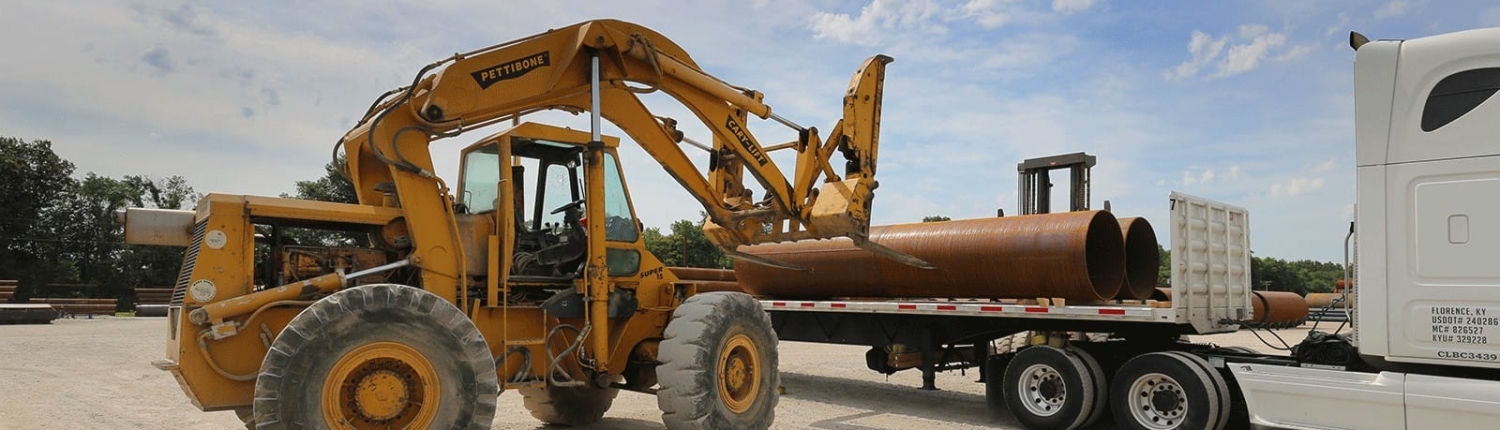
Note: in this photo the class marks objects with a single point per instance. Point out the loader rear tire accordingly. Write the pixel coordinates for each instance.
(378, 356)
(246, 416)
(719, 368)
(568, 406)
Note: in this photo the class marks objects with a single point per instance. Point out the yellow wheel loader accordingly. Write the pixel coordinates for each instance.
(532, 274)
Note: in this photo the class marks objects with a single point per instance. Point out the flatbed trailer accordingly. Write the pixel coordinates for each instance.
(1210, 287)
(1423, 302)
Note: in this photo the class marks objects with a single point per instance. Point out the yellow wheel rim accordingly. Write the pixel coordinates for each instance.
(739, 373)
(382, 385)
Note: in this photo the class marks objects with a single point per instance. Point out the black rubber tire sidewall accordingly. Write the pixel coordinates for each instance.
(688, 396)
(1073, 372)
(1199, 415)
(289, 391)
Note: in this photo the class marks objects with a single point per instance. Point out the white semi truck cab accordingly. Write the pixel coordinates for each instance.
(1426, 349)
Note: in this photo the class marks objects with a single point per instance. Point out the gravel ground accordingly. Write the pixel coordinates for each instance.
(96, 374)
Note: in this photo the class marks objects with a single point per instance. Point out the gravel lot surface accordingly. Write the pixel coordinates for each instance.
(96, 374)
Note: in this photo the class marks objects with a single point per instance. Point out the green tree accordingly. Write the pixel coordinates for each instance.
(685, 246)
(331, 187)
(35, 179)
(1164, 270)
(935, 218)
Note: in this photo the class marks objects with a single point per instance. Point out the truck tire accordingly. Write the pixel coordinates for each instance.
(568, 406)
(719, 364)
(378, 356)
(1049, 388)
(1101, 386)
(1169, 391)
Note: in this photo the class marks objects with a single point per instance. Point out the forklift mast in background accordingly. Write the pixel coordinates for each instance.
(1035, 182)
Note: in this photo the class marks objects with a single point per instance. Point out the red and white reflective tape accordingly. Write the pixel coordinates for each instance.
(1114, 312)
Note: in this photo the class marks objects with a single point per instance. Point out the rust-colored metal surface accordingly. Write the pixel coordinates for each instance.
(1277, 309)
(702, 274)
(1075, 255)
(711, 286)
(1162, 294)
(1142, 259)
(1323, 300)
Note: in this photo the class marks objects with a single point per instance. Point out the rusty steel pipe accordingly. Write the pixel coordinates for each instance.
(1162, 294)
(1277, 309)
(711, 286)
(1142, 259)
(1075, 255)
(702, 274)
(1323, 300)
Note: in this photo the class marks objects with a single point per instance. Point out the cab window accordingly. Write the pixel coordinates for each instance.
(619, 221)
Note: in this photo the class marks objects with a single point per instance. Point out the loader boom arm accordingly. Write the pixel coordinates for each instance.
(555, 70)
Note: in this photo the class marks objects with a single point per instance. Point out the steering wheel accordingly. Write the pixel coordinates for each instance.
(575, 204)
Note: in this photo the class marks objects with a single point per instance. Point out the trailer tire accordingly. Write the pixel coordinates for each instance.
(719, 365)
(1101, 386)
(381, 356)
(568, 406)
(1048, 388)
(1169, 391)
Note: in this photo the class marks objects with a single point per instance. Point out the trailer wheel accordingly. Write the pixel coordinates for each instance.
(378, 356)
(718, 366)
(1169, 391)
(1048, 388)
(568, 406)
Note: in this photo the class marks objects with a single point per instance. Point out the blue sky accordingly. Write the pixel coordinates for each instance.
(1246, 102)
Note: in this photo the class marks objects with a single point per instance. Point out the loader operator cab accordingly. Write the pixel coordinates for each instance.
(530, 178)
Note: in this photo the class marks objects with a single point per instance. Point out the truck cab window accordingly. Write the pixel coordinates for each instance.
(1458, 94)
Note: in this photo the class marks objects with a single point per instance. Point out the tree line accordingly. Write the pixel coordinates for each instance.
(1274, 274)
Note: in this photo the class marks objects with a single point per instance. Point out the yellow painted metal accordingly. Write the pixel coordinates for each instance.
(381, 385)
(738, 376)
(216, 312)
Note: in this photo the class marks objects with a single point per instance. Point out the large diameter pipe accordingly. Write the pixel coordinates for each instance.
(1142, 259)
(1076, 255)
(1277, 309)
(702, 274)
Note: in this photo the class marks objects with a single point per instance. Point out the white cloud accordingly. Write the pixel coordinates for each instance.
(1071, 6)
(1234, 172)
(1252, 46)
(1393, 9)
(1207, 177)
(1338, 26)
(878, 20)
(1295, 187)
(1246, 57)
(988, 13)
(1188, 179)
(1204, 48)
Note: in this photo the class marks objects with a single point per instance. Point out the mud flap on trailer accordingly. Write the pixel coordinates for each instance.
(1295, 397)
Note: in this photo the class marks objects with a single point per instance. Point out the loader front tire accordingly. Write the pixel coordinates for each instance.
(718, 366)
(568, 406)
(377, 356)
